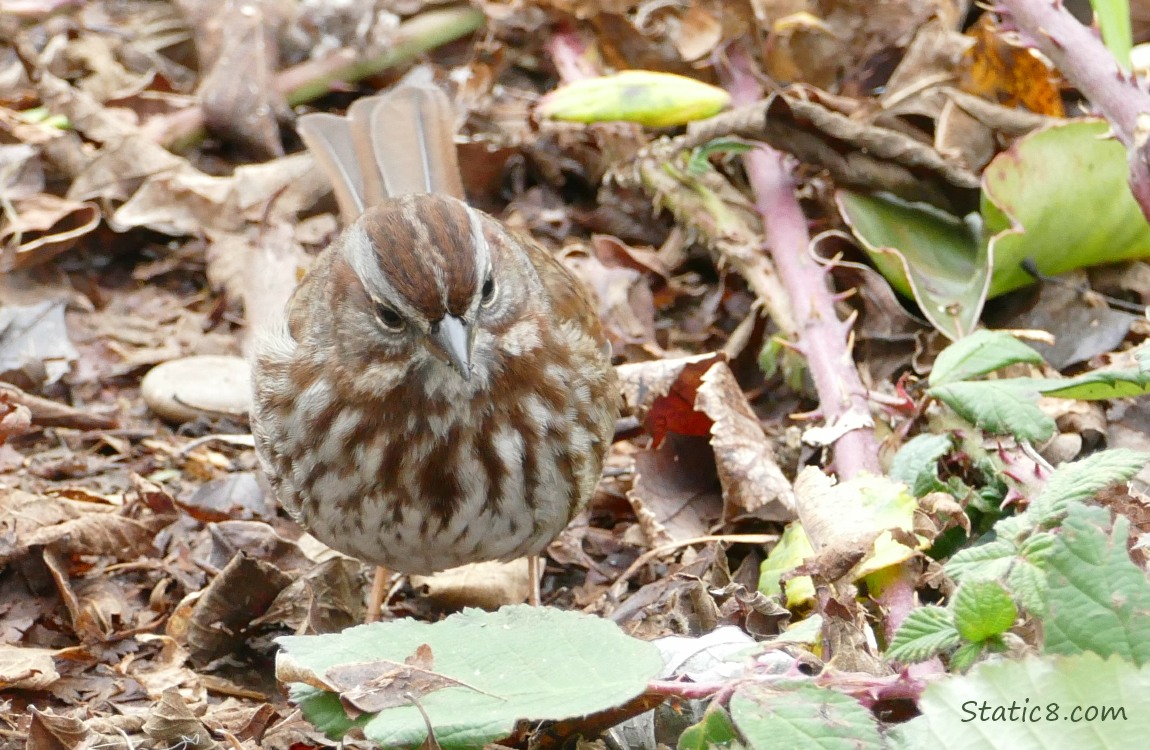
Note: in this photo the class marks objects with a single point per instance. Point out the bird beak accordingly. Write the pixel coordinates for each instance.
(452, 337)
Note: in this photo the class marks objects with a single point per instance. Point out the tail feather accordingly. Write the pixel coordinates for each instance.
(393, 144)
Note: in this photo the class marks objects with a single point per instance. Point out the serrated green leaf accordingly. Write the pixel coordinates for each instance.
(926, 632)
(714, 730)
(1028, 584)
(997, 408)
(1036, 547)
(519, 663)
(980, 353)
(1090, 386)
(916, 462)
(1099, 601)
(988, 561)
(982, 610)
(802, 716)
(966, 655)
(1081, 480)
(972, 712)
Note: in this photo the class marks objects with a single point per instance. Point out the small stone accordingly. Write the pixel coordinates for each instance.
(212, 386)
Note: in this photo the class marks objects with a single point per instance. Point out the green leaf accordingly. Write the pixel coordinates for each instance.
(793, 547)
(986, 562)
(926, 631)
(916, 462)
(979, 353)
(1081, 480)
(973, 711)
(925, 254)
(1114, 22)
(698, 162)
(1036, 547)
(1028, 584)
(715, 730)
(1033, 197)
(647, 97)
(493, 669)
(966, 655)
(800, 716)
(1091, 386)
(1099, 601)
(983, 610)
(997, 408)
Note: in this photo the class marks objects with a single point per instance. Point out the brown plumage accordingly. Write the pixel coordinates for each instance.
(441, 392)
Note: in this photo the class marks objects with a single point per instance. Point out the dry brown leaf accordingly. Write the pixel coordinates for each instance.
(753, 483)
(370, 687)
(23, 668)
(325, 598)
(47, 731)
(172, 723)
(675, 493)
(488, 585)
(1001, 68)
(244, 109)
(35, 347)
(240, 593)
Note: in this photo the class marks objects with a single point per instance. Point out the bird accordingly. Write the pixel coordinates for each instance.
(440, 389)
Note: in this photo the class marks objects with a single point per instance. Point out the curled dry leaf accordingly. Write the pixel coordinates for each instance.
(753, 483)
(172, 723)
(35, 349)
(47, 730)
(325, 598)
(15, 419)
(24, 668)
(244, 109)
(488, 585)
(240, 593)
(700, 396)
(49, 413)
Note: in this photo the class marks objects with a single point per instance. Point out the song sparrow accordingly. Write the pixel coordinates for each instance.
(440, 392)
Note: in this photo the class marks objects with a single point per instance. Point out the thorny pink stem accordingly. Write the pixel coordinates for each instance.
(823, 338)
(1080, 55)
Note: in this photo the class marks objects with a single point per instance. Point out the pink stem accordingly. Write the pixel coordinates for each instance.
(823, 338)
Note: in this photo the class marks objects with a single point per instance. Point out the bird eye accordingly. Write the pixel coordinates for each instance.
(390, 318)
(488, 291)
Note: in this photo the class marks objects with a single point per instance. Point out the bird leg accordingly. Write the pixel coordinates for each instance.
(378, 589)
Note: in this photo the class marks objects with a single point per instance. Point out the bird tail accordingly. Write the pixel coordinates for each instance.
(388, 145)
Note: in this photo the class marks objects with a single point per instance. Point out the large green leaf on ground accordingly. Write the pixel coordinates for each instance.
(1047, 703)
(474, 674)
(799, 716)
